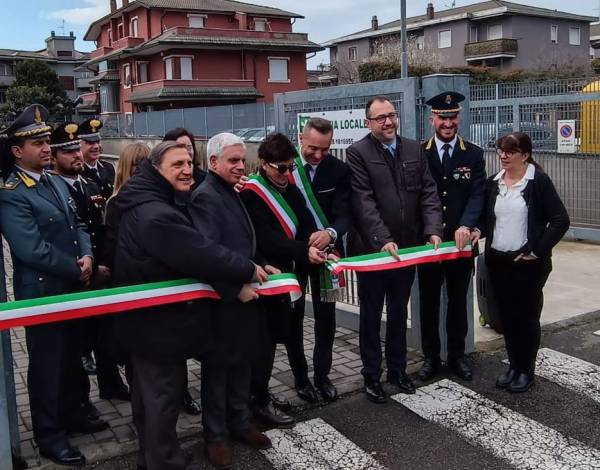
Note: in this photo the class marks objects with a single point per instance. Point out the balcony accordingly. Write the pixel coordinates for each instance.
(83, 83)
(122, 43)
(495, 48)
(6, 80)
(235, 33)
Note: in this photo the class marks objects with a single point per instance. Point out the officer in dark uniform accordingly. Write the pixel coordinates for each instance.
(51, 255)
(458, 168)
(100, 172)
(68, 164)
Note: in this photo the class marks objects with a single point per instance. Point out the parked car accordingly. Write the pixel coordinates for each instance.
(543, 137)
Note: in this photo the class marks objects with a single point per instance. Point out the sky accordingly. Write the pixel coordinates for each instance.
(26, 24)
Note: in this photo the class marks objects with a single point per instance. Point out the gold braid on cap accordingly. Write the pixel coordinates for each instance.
(39, 130)
(441, 111)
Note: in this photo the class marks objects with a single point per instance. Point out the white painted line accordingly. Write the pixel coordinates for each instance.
(597, 333)
(315, 445)
(570, 372)
(521, 441)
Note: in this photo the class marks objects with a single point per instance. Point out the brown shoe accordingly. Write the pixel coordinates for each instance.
(253, 438)
(219, 454)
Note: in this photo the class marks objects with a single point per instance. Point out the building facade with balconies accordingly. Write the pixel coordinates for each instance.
(497, 33)
(162, 54)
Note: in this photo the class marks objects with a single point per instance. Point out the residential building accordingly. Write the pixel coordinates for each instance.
(62, 57)
(595, 40)
(161, 54)
(496, 33)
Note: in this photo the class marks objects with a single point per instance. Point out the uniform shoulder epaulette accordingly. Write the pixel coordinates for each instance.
(429, 144)
(11, 183)
(26, 179)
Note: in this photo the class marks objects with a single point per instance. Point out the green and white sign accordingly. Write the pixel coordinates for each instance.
(349, 125)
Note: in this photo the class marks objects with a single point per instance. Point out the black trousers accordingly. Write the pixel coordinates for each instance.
(457, 274)
(225, 397)
(53, 380)
(156, 395)
(324, 314)
(519, 292)
(374, 288)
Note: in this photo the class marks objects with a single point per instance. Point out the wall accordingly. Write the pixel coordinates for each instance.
(296, 74)
(451, 56)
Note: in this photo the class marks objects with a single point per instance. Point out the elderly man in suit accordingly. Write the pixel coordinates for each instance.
(52, 255)
(458, 168)
(218, 212)
(395, 205)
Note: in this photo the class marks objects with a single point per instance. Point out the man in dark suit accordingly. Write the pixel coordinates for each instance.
(100, 172)
(395, 205)
(68, 164)
(328, 179)
(458, 168)
(51, 255)
(218, 212)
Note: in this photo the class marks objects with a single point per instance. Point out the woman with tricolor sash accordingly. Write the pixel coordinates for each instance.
(283, 225)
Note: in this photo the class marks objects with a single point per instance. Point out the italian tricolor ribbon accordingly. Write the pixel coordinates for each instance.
(278, 205)
(302, 181)
(122, 299)
(383, 261)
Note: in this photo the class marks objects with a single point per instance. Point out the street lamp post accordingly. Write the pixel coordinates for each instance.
(403, 54)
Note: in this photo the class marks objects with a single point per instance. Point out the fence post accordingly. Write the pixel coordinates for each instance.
(9, 435)
(164, 124)
(497, 112)
(516, 117)
(232, 118)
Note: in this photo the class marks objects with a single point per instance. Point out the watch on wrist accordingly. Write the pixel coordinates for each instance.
(332, 234)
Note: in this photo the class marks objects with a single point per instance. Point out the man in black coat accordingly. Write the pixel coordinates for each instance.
(158, 242)
(100, 172)
(218, 212)
(328, 179)
(458, 168)
(395, 204)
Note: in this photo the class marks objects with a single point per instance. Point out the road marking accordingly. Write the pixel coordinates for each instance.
(523, 442)
(315, 445)
(570, 372)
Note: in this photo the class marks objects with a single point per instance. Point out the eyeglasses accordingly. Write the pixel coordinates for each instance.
(509, 154)
(384, 117)
(283, 168)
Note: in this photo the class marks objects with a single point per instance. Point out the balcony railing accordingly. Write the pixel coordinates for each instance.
(235, 33)
(203, 83)
(482, 49)
(122, 43)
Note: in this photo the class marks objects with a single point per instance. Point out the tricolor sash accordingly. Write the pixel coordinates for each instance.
(278, 205)
(302, 181)
(122, 299)
(383, 261)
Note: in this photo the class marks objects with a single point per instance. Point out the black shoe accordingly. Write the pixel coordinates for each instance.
(271, 416)
(90, 410)
(88, 426)
(461, 369)
(403, 382)
(64, 455)
(327, 389)
(89, 365)
(307, 392)
(119, 393)
(190, 406)
(429, 369)
(280, 402)
(375, 392)
(520, 383)
(505, 379)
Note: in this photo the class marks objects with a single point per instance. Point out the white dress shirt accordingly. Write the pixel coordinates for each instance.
(510, 231)
(440, 143)
(35, 176)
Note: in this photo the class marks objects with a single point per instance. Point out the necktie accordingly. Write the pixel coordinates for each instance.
(309, 171)
(446, 155)
(77, 186)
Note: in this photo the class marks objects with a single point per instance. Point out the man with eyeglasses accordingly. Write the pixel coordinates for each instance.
(458, 168)
(395, 205)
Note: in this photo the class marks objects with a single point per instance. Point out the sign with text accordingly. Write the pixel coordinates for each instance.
(349, 125)
(566, 136)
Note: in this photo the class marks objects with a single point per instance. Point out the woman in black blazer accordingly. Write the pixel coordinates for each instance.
(523, 219)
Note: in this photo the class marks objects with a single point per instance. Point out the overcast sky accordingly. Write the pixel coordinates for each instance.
(25, 24)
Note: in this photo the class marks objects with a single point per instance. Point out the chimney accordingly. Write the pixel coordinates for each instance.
(52, 34)
(374, 23)
(430, 11)
(113, 6)
(71, 34)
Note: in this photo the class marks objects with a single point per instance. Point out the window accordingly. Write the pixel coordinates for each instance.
(260, 24)
(110, 39)
(169, 68)
(186, 68)
(126, 75)
(554, 34)
(352, 54)
(2, 96)
(420, 43)
(494, 32)
(133, 27)
(278, 69)
(6, 70)
(120, 32)
(444, 39)
(574, 36)
(68, 82)
(197, 21)
(473, 34)
(333, 55)
(142, 72)
(64, 53)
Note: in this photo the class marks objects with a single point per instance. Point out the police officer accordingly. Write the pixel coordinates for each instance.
(458, 168)
(100, 172)
(90, 204)
(51, 255)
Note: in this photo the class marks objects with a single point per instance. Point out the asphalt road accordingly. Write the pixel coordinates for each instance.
(451, 424)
